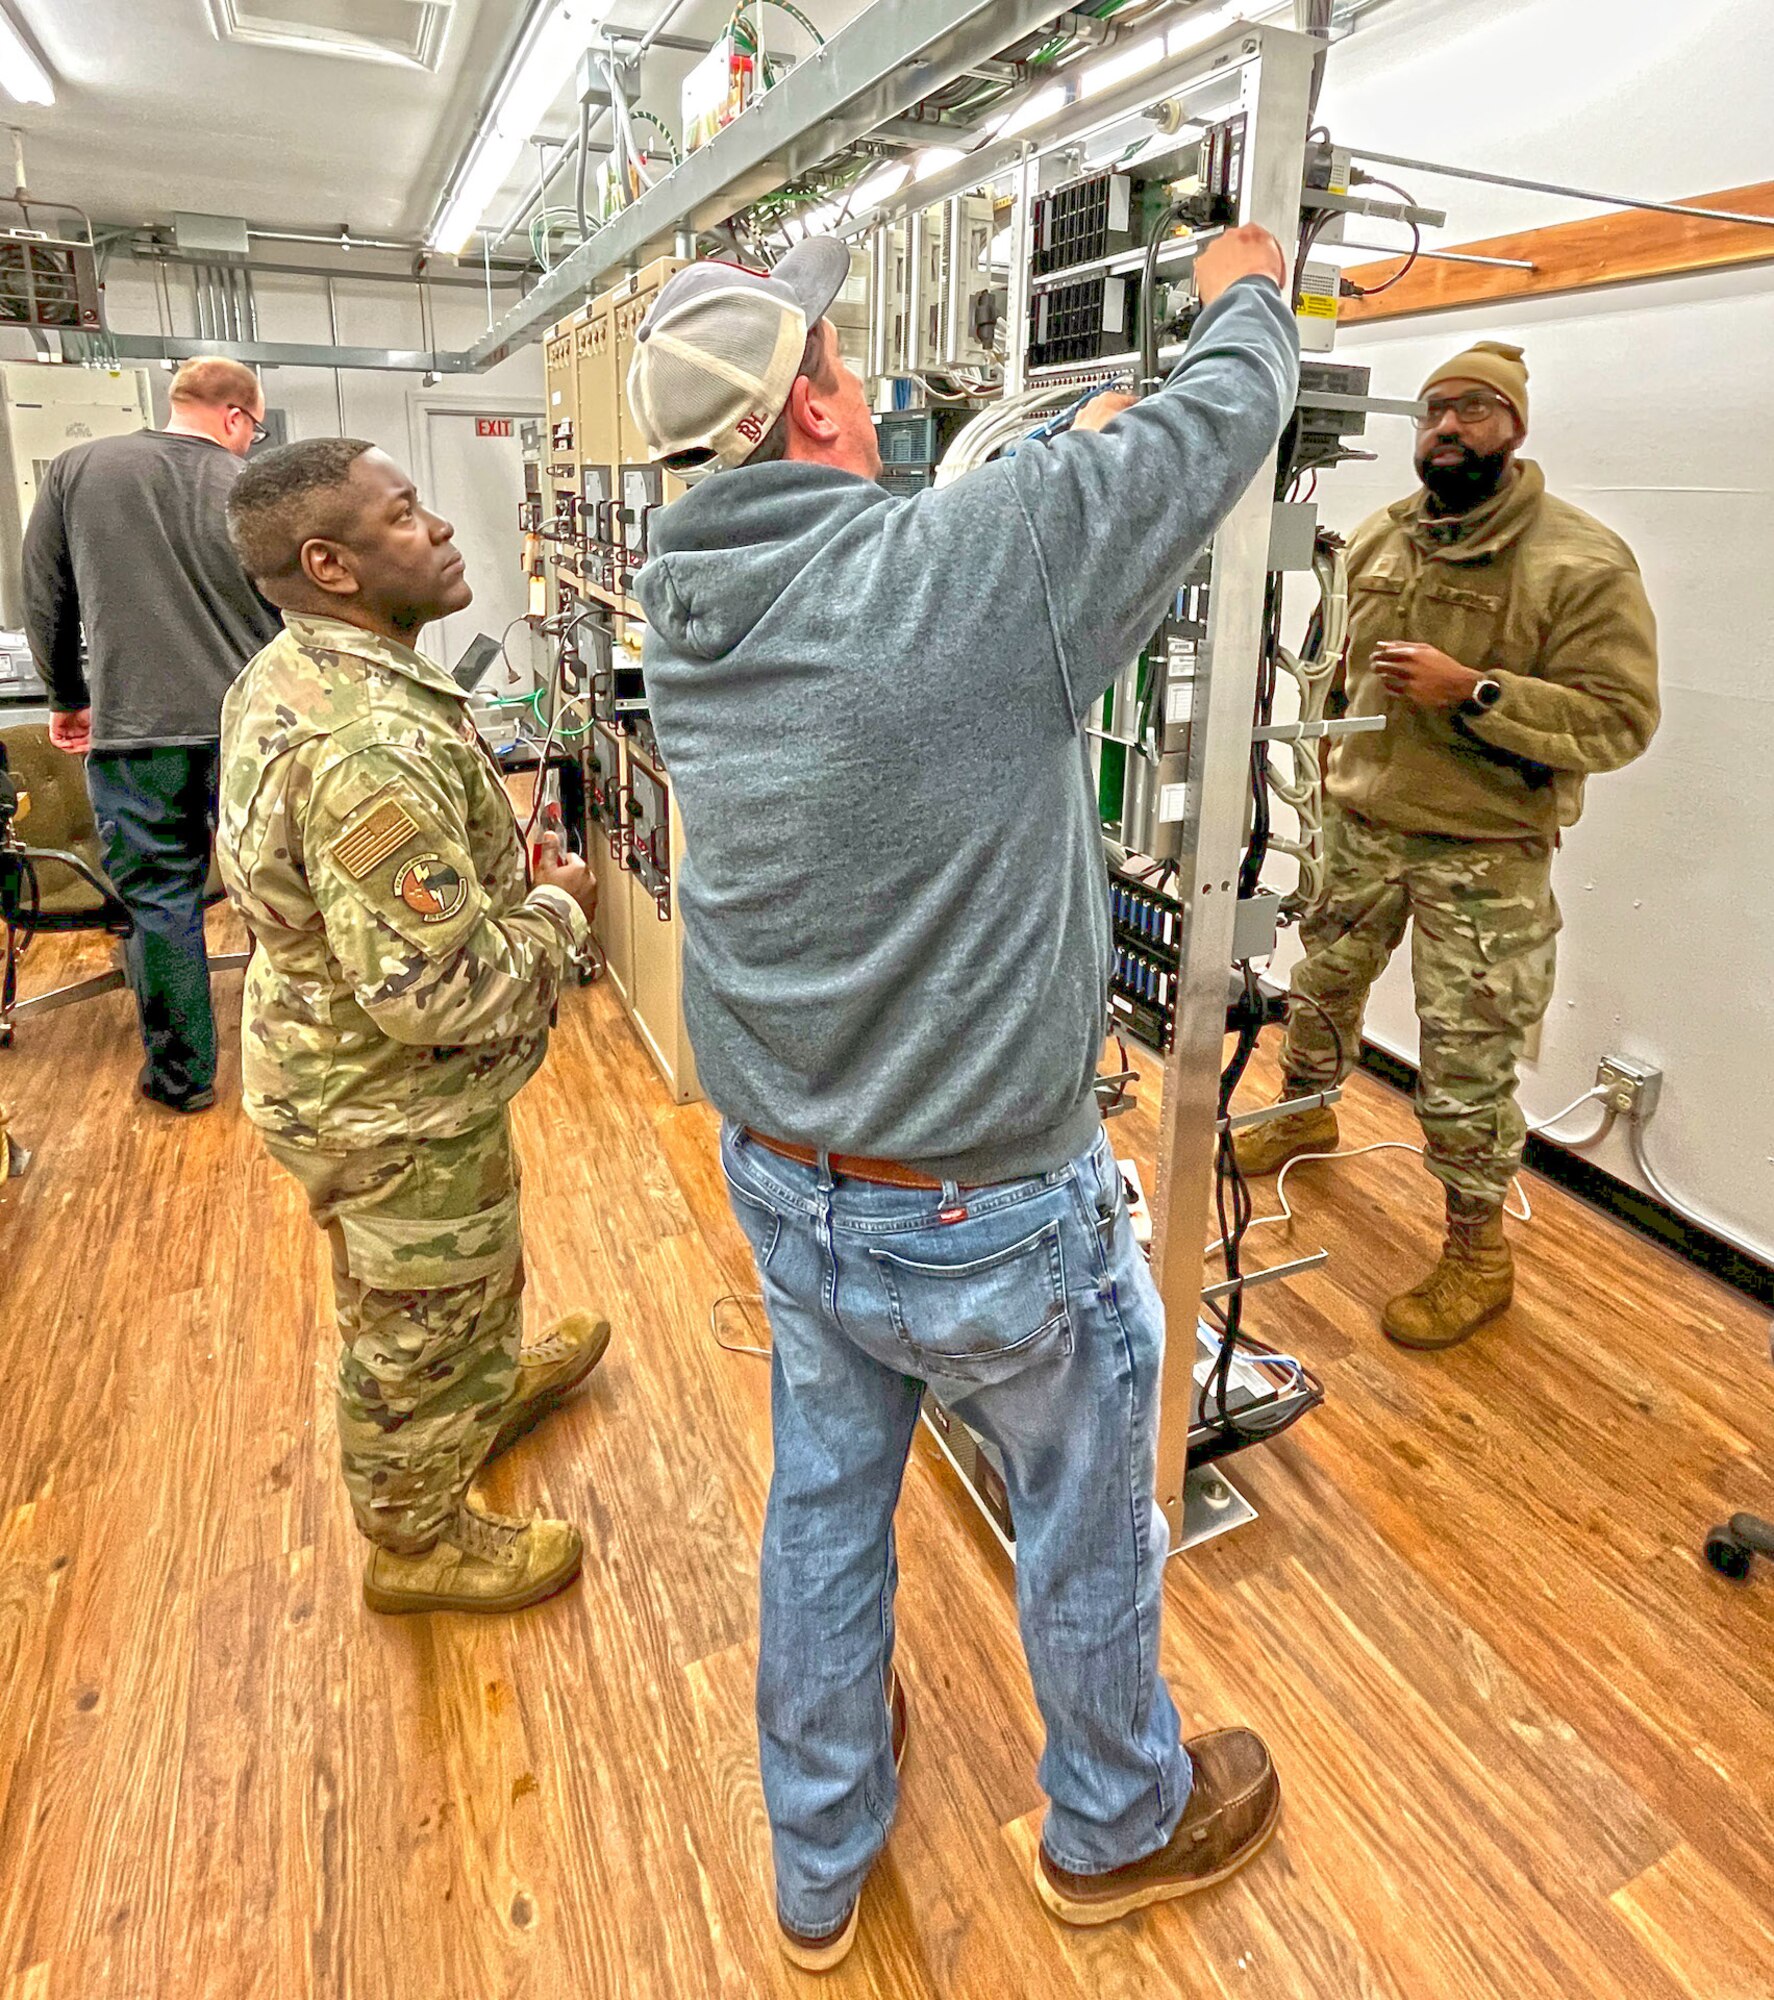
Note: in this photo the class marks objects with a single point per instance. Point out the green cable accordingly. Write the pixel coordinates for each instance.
(533, 702)
(745, 38)
(659, 125)
(782, 7)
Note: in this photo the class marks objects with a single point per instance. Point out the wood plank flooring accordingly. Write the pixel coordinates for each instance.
(1527, 1738)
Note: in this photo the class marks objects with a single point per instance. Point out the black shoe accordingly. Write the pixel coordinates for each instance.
(183, 1101)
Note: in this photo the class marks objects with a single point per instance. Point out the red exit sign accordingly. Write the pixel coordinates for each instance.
(492, 427)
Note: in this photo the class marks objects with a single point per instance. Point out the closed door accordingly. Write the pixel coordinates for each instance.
(477, 479)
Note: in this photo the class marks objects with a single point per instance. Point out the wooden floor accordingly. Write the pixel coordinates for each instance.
(1527, 1738)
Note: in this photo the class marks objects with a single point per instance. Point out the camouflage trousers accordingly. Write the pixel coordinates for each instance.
(428, 1279)
(1483, 947)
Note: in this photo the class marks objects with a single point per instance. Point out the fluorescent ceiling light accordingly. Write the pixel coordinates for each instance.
(1031, 112)
(528, 88)
(21, 75)
(934, 159)
(1207, 22)
(879, 188)
(1118, 68)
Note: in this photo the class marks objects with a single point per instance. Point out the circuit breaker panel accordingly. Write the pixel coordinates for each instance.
(602, 493)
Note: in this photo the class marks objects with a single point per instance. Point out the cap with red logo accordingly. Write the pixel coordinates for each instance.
(717, 354)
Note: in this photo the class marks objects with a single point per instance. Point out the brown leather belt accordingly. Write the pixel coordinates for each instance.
(884, 1173)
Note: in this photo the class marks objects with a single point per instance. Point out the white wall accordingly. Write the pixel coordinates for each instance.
(378, 405)
(1653, 408)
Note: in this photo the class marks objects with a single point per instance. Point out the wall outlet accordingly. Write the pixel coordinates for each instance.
(1629, 1086)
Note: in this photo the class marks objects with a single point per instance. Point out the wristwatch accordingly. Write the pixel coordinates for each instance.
(1483, 698)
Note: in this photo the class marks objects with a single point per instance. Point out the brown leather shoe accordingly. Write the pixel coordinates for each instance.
(548, 1371)
(831, 1948)
(1230, 1815)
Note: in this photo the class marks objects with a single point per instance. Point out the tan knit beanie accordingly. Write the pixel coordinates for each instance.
(1497, 365)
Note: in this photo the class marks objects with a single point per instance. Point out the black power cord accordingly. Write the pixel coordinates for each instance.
(1173, 212)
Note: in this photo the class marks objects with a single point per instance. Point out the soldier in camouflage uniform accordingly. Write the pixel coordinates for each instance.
(400, 993)
(1506, 638)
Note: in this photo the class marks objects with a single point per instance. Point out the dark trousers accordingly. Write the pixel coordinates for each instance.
(155, 810)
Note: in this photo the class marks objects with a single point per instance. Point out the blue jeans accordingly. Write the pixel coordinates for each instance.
(155, 809)
(1032, 1315)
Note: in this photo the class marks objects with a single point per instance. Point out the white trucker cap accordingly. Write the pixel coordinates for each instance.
(718, 352)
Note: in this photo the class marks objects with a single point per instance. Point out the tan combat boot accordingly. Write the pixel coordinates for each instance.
(1472, 1282)
(481, 1562)
(548, 1371)
(1265, 1149)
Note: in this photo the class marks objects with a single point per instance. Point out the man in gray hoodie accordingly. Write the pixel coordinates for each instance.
(897, 952)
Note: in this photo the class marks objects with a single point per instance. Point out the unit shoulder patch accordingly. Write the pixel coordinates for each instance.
(429, 886)
(374, 838)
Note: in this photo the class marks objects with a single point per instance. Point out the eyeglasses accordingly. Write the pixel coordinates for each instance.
(1474, 407)
(260, 433)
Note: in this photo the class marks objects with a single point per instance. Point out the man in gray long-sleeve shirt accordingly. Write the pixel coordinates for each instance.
(895, 974)
(128, 544)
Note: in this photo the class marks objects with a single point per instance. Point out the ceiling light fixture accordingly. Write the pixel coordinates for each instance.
(21, 75)
(1198, 29)
(1031, 111)
(935, 160)
(561, 36)
(1120, 66)
(880, 187)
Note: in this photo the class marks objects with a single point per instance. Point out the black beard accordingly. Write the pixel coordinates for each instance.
(1468, 483)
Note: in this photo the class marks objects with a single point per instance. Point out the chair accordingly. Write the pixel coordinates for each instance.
(52, 875)
(1733, 1548)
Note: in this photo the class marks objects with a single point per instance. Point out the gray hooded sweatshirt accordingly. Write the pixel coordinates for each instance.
(896, 928)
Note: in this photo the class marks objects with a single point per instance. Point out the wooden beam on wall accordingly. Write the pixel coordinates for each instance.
(1617, 246)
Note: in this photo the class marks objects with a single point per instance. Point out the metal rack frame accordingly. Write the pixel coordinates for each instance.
(1264, 73)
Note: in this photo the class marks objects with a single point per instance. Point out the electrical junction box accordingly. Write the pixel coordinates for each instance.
(715, 92)
(43, 410)
(213, 236)
(1293, 534)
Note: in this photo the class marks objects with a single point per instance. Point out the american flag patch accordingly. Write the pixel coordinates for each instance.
(374, 839)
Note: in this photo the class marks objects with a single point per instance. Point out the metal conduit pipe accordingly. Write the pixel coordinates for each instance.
(1756, 1252)
(588, 131)
(338, 239)
(332, 316)
(567, 156)
(1558, 188)
(672, 10)
(503, 274)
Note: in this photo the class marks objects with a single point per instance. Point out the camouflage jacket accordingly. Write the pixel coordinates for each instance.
(1532, 593)
(404, 971)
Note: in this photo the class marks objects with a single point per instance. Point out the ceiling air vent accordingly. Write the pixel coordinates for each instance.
(389, 31)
